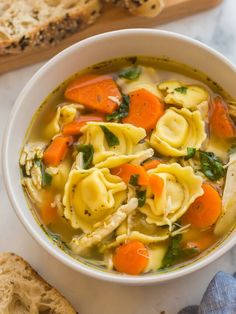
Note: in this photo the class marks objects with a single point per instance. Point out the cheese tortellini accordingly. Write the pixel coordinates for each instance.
(182, 95)
(148, 80)
(64, 114)
(177, 130)
(127, 148)
(91, 195)
(181, 188)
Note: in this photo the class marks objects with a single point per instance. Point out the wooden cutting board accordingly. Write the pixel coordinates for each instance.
(112, 19)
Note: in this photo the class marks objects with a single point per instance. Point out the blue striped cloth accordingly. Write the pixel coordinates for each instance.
(219, 298)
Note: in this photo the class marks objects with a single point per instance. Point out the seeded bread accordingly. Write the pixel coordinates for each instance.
(23, 291)
(147, 8)
(27, 24)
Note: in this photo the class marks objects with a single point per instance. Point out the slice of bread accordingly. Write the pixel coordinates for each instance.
(23, 291)
(28, 24)
(147, 8)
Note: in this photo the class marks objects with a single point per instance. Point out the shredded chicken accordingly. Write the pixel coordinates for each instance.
(114, 99)
(31, 190)
(52, 171)
(36, 176)
(29, 154)
(79, 244)
(148, 153)
(58, 204)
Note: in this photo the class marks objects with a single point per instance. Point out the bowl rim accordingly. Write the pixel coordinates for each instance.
(61, 255)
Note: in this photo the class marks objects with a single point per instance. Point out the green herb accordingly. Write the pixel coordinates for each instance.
(87, 151)
(182, 90)
(211, 166)
(232, 149)
(131, 73)
(191, 151)
(173, 252)
(134, 179)
(111, 138)
(141, 195)
(46, 177)
(122, 111)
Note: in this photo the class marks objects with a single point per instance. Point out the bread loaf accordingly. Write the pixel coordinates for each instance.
(147, 8)
(23, 291)
(28, 24)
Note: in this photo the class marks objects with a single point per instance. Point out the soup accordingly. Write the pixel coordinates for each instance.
(129, 165)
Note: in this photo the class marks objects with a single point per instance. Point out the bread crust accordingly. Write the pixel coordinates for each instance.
(53, 30)
(23, 291)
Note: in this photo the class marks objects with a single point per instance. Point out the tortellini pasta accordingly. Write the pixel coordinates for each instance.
(176, 130)
(182, 95)
(156, 255)
(181, 188)
(64, 114)
(148, 80)
(127, 149)
(91, 195)
(60, 174)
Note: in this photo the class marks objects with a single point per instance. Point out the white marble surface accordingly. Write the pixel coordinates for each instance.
(216, 28)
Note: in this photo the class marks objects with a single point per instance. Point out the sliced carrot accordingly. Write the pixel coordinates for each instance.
(151, 164)
(125, 172)
(205, 210)
(156, 184)
(131, 258)
(94, 92)
(48, 213)
(145, 109)
(220, 122)
(74, 127)
(57, 150)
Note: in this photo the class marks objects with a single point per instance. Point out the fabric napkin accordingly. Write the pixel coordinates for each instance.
(219, 298)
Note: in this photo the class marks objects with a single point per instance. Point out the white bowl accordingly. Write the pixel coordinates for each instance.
(99, 48)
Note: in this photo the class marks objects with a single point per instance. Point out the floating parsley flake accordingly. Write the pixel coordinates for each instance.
(182, 90)
(131, 73)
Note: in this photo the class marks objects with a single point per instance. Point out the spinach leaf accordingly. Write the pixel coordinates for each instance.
(87, 151)
(134, 179)
(181, 90)
(173, 252)
(131, 73)
(191, 151)
(211, 165)
(46, 177)
(111, 138)
(122, 111)
(141, 195)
